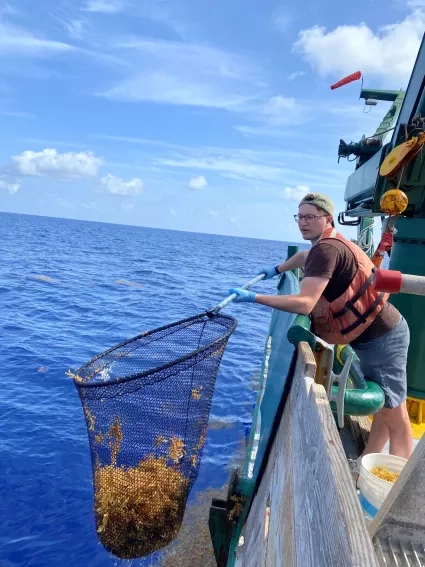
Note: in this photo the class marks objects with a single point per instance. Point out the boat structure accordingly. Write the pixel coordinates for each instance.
(293, 501)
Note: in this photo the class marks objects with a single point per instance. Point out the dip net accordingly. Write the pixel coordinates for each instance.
(146, 404)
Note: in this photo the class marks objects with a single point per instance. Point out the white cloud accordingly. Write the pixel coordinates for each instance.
(280, 110)
(275, 113)
(16, 41)
(49, 162)
(8, 10)
(117, 186)
(271, 167)
(295, 193)
(254, 131)
(91, 205)
(105, 6)
(39, 141)
(197, 183)
(166, 12)
(127, 206)
(282, 19)
(213, 213)
(11, 187)
(234, 219)
(174, 72)
(226, 166)
(387, 54)
(19, 114)
(165, 88)
(295, 75)
(138, 141)
(75, 28)
(173, 212)
(65, 204)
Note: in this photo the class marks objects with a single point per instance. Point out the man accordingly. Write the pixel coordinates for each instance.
(337, 271)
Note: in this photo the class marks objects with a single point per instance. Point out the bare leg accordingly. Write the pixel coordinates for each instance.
(393, 424)
(379, 434)
(401, 442)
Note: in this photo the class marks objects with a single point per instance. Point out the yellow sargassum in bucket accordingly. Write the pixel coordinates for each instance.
(384, 474)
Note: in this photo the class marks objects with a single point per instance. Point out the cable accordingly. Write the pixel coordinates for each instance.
(380, 133)
(365, 246)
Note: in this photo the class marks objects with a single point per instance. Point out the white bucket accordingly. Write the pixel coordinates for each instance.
(374, 490)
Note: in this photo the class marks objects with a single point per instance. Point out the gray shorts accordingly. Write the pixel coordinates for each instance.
(383, 360)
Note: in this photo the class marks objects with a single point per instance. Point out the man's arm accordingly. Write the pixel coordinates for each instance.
(303, 303)
(296, 261)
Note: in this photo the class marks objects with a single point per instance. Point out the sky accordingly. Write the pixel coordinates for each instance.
(213, 116)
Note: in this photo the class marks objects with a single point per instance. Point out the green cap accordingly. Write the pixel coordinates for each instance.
(319, 200)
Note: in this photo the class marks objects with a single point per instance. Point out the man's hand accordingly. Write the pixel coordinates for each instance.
(243, 295)
(268, 272)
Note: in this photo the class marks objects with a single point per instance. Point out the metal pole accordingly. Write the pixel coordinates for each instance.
(393, 281)
(230, 298)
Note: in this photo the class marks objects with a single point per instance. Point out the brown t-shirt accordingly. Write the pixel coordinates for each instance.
(337, 262)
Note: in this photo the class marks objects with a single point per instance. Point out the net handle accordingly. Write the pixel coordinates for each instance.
(214, 310)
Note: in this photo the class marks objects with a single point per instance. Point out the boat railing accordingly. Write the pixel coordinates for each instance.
(294, 498)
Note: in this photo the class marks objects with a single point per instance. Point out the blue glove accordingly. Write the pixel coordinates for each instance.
(242, 295)
(269, 272)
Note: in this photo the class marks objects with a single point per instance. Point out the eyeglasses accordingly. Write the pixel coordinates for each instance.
(307, 218)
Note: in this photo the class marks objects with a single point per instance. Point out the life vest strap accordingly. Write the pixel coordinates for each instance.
(349, 306)
(362, 318)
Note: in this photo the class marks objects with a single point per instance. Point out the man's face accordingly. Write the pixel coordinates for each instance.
(312, 222)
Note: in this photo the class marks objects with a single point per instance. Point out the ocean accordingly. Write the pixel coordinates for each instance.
(71, 289)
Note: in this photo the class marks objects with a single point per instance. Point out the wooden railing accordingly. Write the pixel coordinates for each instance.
(306, 512)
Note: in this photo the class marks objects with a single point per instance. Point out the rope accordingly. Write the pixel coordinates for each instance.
(366, 247)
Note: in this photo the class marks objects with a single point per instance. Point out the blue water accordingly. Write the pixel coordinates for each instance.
(47, 327)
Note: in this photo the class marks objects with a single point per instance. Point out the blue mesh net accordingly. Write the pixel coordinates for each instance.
(146, 403)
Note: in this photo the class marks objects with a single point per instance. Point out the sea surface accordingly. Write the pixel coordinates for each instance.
(70, 290)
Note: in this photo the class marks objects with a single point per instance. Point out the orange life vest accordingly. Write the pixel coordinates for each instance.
(343, 320)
